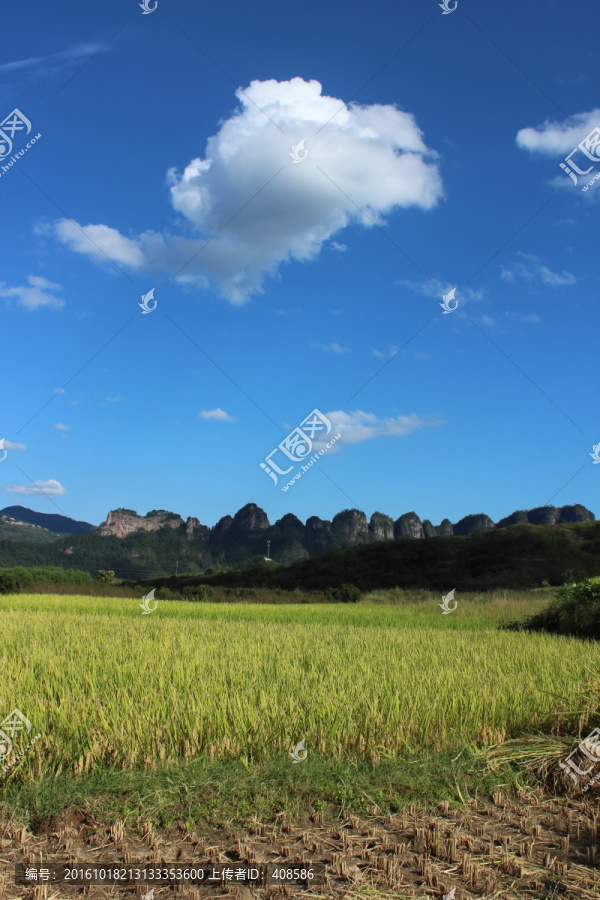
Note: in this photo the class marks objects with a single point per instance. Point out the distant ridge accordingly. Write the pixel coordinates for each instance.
(56, 523)
(161, 543)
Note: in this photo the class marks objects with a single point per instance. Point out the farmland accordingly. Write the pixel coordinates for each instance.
(110, 688)
(189, 714)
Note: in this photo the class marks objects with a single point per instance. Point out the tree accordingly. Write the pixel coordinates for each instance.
(105, 576)
(345, 593)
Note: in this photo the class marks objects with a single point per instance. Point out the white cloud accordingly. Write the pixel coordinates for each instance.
(9, 445)
(77, 51)
(333, 348)
(392, 350)
(358, 426)
(253, 209)
(531, 318)
(341, 248)
(533, 270)
(36, 295)
(60, 427)
(115, 399)
(100, 243)
(218, 414)
(435, 289)
(51, 487)
(558, 138)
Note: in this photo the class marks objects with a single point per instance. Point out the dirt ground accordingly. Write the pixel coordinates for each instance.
(536, 846)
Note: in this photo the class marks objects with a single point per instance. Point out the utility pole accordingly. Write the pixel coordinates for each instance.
(177, 567)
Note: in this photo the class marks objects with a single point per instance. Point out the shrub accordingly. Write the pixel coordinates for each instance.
(199, 593)
(344, 593)
(164, 593)
(575, 611)
(13, 579)
(16, 578)
(105, 576)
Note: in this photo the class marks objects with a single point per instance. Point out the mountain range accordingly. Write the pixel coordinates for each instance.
(55, 523)
(162, 543)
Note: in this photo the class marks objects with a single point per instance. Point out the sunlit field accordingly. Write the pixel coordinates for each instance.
(108, 687)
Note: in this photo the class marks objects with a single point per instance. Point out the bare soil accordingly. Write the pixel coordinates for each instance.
(535, 846)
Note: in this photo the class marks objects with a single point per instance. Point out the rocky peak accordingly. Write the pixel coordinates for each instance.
(252, 517)
(444, 528)
(428, 529)
(351, 524)
(473, 524)
(519, 517)
(317, 524)
(289, 521)
(121, 522)
(543, 515)
(291, 526)
(223, 525)
(408, 526)
(381, 527)
(191, 525)
(317, 534)
(576, 513)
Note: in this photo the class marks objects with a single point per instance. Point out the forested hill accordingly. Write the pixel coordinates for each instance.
(162, 543)
(522, 556)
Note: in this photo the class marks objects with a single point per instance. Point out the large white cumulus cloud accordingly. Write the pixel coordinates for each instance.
(252, 208)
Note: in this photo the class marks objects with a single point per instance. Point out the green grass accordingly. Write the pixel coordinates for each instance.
(383, 609)
(219, 792)
(377, 691)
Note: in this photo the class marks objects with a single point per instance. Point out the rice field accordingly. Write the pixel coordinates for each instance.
(107, 687)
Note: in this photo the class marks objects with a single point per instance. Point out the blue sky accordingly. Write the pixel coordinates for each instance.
(428, 151)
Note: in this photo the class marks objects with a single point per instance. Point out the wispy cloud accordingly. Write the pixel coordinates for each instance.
(530, 318)
(9, 445)
(369, 158)
(391, 351)
(332, 348)
(358, 426)
(53, 60)
(533, 270)
(60, 427)
(35, 295)
(219, 415)
(434, 288)
(50, 487)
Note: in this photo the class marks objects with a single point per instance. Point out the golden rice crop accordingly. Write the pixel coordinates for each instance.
(107, 689)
